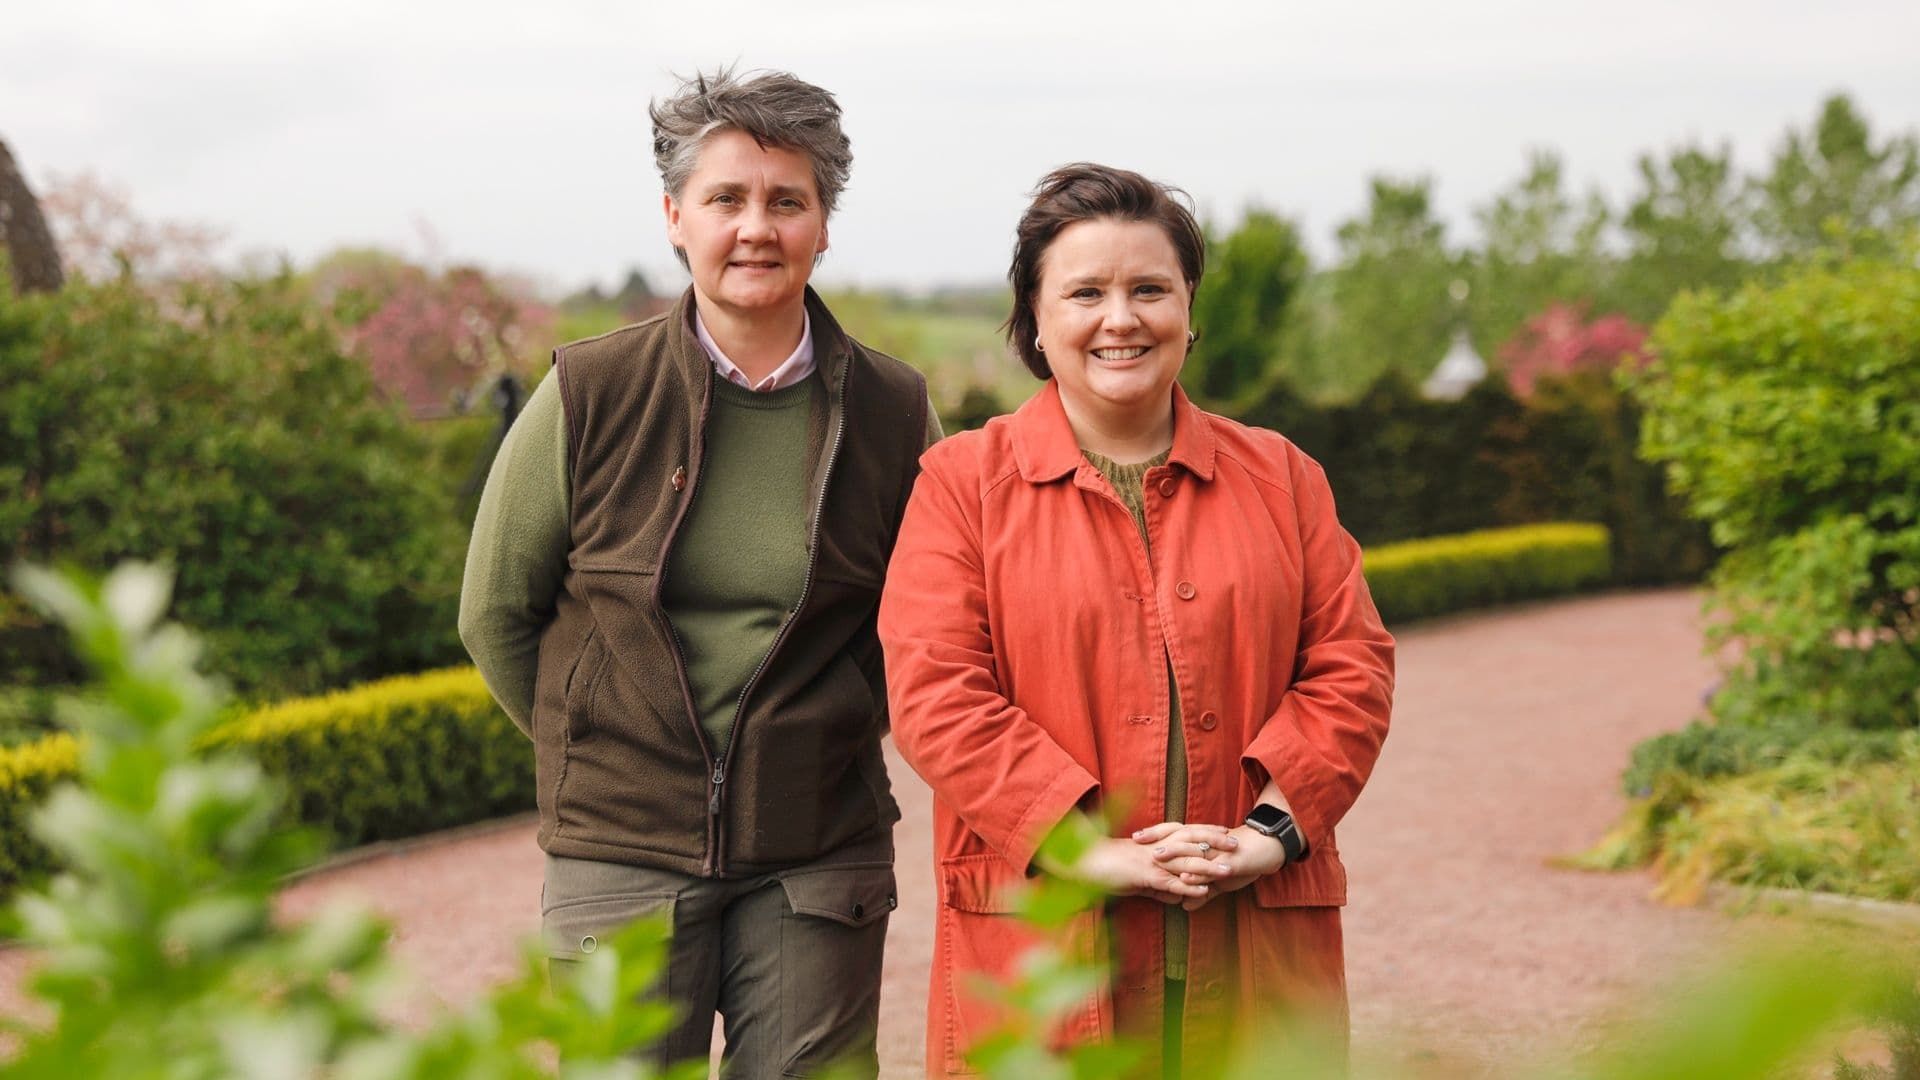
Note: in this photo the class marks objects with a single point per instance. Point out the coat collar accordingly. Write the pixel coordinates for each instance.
(832, 348)
(1045, 449)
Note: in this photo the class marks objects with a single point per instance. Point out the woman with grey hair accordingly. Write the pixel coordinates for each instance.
(672, 587)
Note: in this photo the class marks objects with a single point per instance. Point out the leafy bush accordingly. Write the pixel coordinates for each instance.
(1789, 418)
(389, 759)
(227, 435)
(1452, 573)
(1706, 751)
(161, 956)
(1805, 824)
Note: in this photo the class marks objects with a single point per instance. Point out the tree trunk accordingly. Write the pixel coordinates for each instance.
(24, 234)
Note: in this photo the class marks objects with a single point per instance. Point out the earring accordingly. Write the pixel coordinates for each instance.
(1037, 347)
(1193, 336)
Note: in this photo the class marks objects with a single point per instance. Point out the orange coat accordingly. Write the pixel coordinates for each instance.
(1026, 631)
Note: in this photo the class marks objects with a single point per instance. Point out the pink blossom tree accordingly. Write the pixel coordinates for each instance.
(1561, 341)
(431, 339)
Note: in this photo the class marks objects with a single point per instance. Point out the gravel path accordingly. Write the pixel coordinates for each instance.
(1466, 951)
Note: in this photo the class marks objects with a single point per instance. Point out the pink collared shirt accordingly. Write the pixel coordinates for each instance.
(791, 370)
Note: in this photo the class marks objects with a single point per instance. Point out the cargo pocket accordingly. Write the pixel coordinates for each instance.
(832, 940)
(578, 928)
(984, 941)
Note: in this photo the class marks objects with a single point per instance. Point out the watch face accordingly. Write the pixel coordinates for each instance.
(1269, 819)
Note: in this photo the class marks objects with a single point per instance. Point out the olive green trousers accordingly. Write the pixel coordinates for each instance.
(790, 961)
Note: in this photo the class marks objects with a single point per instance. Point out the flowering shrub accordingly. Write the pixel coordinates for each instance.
(1561, 341)
(431, 339)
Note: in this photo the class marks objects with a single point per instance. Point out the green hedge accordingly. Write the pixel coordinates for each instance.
(1405, 467)
(1419, 578)
(393, 758)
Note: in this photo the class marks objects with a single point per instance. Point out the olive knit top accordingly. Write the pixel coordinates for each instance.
(1129, 482)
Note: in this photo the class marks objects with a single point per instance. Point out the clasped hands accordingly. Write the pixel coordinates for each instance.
(1179, 863)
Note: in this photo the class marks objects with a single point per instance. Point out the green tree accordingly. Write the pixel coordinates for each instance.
(1833, 187)
(1384, 307)
(1686, 228)
(226, 434)
(1253, 275)
(1789, 418)
(1539, 245)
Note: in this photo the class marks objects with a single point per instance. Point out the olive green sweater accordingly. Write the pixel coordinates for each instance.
(739, 564)
(1129, 482)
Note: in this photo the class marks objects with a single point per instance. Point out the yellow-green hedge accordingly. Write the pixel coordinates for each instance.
(388, 759)
(421, 752)
(1418, 578)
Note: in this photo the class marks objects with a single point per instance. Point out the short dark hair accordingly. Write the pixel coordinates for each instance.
(1086, 192)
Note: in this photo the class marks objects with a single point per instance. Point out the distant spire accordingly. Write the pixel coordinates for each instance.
(1462, 367)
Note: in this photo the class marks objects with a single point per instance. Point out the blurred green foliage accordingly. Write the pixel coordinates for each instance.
(1383, 307)
(1691, 222)
(1253, 273)
(1811, 823)
(161, 955)
(222, 431)
(1832, 188)
(393, 758)
(162, 958)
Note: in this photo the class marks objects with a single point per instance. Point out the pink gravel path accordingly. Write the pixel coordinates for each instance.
(1466, 951)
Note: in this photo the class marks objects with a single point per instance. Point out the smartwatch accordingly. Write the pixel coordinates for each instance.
(1272, 821)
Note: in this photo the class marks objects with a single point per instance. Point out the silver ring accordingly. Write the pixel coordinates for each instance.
(1204, 848)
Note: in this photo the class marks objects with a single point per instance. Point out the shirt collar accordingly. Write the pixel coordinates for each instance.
(1045, 449)
(791, 370)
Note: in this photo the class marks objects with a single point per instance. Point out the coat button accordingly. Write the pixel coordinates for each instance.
(859, 911)
(588, 944)
(680, 478)
(1208, 721)
(1184, 590)
(1216, 989)
(1167, 486)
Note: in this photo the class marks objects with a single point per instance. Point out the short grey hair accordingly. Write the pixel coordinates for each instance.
(776, 108)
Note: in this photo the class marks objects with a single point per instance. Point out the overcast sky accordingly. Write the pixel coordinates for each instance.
(516, 132)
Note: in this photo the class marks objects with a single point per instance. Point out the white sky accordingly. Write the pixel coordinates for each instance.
(517, 132)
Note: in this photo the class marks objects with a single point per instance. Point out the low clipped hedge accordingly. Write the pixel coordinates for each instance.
(1418, 578)
(416, 753)
(388, 759)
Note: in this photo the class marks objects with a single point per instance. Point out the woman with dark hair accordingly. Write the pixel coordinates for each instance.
(1114, 602)
(671, 588)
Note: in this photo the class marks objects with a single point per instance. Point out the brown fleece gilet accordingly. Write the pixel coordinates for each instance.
(625, 772)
